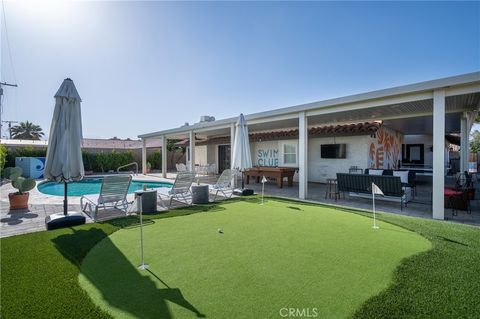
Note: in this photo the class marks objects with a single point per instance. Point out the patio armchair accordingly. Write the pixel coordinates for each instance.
(458, 199)
(180, 190)
(223, 185)
(113, 193)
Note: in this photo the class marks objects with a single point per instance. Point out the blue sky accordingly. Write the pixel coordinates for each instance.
(147, 66)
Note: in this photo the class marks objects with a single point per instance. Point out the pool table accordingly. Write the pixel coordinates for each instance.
(278, 173)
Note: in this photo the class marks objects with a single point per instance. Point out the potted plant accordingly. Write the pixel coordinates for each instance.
(19, 199)
(149, 167)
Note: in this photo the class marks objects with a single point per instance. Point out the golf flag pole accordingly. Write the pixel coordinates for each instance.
(264, 180)
(375, 190)
(143, 265)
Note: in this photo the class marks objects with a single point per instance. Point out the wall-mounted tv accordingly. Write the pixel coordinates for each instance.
(333, 150)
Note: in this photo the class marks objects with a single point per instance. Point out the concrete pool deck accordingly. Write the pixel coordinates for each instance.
(41, 205)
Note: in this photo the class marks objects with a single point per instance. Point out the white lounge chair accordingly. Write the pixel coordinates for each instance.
(181, 167)
(223, 184)
(113, 193)
(212, 169)
(180, 191)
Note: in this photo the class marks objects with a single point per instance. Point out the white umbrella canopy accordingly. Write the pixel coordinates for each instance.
(64, 161)
(242, 158)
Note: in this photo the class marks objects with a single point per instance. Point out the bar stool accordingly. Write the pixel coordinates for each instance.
(332, 189)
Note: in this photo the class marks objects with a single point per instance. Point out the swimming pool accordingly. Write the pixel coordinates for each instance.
(90, 186)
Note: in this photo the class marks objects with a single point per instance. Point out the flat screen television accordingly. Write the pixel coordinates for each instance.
(333, 150)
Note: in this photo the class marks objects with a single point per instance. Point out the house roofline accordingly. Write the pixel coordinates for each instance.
(425, 86)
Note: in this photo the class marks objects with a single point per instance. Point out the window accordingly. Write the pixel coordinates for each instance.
(289, 154)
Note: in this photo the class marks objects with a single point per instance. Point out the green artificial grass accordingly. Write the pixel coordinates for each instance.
(40, 271)
(272, 256)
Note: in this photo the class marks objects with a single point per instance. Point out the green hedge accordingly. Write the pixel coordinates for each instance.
(106, 161)
(3, 156)
(97, 162)
(155, 159)
(27, 151)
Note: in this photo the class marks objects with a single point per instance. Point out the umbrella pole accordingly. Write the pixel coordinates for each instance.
(65, 200)
(243, 182)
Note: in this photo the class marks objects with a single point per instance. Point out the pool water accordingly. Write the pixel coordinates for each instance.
(90, 186)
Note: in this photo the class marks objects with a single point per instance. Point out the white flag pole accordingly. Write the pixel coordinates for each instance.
(263, 187)
(143, 265)
(373, 199)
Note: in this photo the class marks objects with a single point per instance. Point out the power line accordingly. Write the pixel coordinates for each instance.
(8, 41)
(13, 74)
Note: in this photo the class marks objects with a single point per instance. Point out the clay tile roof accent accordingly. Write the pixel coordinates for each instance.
(366, 128)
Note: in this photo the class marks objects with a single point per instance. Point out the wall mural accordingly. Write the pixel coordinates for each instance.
(267, 157)
(386, 149)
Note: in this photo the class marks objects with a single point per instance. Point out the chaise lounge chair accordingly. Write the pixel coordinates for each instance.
(181, 167)
(112, 194)
(180, 191)
(223, 184)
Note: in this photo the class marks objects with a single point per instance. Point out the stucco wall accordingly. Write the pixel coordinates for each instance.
(320, 169)
(201, 155)
(265, 153)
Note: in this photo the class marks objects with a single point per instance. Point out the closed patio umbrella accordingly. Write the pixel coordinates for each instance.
(242, 158)
(64, 162)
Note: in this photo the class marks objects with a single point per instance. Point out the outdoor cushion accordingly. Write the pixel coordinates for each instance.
(375, 171)
(403, 176)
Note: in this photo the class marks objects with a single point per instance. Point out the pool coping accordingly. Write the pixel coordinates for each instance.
(38, 198)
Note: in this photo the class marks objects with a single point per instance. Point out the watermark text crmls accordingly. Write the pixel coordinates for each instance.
(299, 312)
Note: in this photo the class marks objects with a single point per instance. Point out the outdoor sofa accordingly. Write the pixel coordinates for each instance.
(410, 182)
(360, 185)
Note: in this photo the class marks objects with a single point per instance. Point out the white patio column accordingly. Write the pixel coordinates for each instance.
(164, 156)
(191, 137)
(232, 141)
(144, 156)
(302, 155)
(463, 144)
(438, 154)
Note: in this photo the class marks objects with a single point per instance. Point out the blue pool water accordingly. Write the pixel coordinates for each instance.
(90, 186)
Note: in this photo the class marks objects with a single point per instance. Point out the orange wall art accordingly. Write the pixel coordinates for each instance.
(385, 149)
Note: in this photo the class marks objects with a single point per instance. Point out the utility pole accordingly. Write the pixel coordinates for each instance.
(1, 108)
(9, 127)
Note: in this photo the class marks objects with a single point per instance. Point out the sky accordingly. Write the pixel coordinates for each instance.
(147, 66)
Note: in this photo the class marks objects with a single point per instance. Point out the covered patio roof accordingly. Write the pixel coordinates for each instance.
(414, 100)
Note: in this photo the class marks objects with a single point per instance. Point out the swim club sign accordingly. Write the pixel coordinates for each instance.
(267, 157)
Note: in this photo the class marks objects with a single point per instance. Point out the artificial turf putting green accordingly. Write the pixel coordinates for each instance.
(279, 255)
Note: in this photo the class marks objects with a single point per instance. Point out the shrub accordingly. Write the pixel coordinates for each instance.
(155, 159)
(97, 162)
(3, 156)
(89, 161)
(28, 151)
(106, 161)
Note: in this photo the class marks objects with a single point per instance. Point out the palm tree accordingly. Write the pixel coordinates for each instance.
(26, 131)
